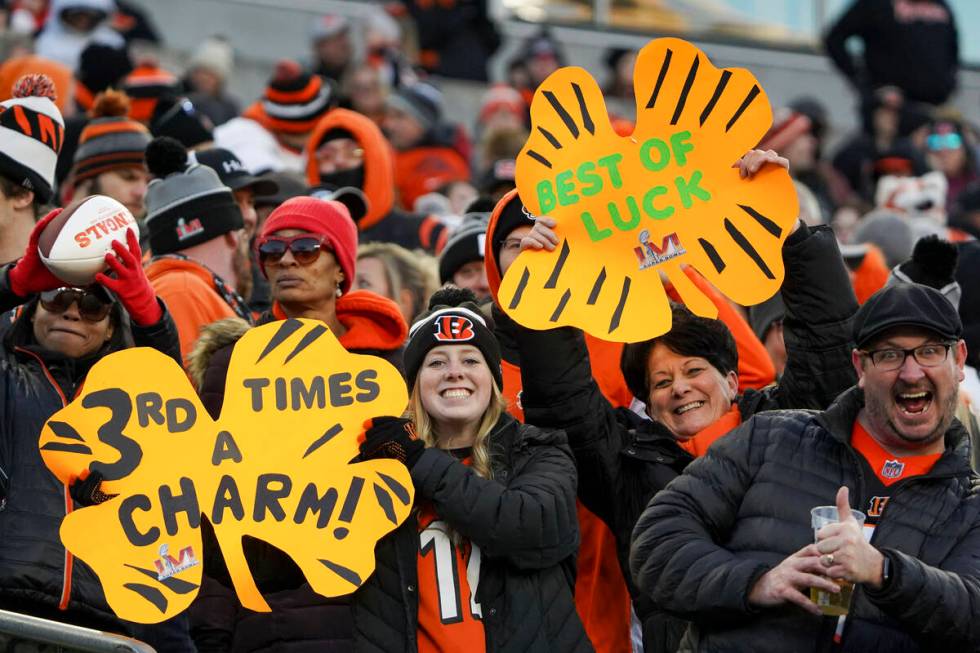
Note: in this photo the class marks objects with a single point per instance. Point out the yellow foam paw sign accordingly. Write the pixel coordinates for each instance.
(632, 208)
(275, 466)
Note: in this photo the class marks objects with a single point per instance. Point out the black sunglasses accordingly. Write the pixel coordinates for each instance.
(304, 248)
(93, 303)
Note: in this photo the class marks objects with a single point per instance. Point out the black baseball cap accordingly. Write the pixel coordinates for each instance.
(906, 304)
(233, 172)
(353, 198)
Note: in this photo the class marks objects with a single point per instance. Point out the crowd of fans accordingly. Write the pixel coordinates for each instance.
(571, 493)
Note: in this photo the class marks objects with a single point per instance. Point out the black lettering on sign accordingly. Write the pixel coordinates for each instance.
(174, 408)
(267, 498)
(225, 448)
(350, 504)
(367, 383)
(340, 389)
(185, 502)
(256, 386)
(130, 452)
(308, 396)
(227, 497)
(281, 394)
(127, 507)
(321, 506)
(149, 405)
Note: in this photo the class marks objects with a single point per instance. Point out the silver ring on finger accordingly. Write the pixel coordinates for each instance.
(827, 560)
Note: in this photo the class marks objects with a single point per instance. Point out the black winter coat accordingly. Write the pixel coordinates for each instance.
(37, 575)
(624, 459)
(737, 512)
(524, 522)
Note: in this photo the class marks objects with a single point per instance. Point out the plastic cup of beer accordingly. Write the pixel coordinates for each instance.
(829, 603)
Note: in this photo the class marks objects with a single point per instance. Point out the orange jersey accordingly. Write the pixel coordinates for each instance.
(450, 618)
(888, 468)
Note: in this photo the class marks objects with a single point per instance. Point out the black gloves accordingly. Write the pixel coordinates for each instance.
(88, 492)
(391, 437)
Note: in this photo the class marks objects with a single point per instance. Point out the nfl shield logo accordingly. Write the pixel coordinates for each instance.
(892, 469)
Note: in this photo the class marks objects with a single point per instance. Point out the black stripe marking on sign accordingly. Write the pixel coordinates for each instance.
(712, 253)
(744, 243)
(766, 223)
(519, 293)
(65, 430)
(288, 328)
(307, 340)
(555, 143)
(151, 594)
(745, 105)
(559, 264)
(560, 110)
(596, 287)
(561, 305)
(66, 447)
(175, 585)
(719, 89)
(660, 79)
(540, 159)
(323, 439)
(618, 313)
(688, 83)
(384, 500)
(347, 574)
(400, 492)
(586, 118)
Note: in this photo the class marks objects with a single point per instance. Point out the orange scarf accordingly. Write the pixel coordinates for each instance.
(699, 444)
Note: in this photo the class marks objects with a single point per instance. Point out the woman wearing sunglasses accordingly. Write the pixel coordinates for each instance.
(307, 250)
(59, 334)
(949, 149)
(486, 561)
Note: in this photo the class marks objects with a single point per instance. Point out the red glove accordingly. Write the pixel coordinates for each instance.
(130, 284)
(30, 275)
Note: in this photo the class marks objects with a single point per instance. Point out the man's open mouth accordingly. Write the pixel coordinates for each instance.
(914, 403)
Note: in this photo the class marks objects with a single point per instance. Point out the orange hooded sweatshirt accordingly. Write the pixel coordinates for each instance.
(379, 183)
(187, 288)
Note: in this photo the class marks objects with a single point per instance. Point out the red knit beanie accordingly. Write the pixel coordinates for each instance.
(321, 217)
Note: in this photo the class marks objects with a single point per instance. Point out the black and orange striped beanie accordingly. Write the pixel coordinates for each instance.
(110, 140)
(295, 99)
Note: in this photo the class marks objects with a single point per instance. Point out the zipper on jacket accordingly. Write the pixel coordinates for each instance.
(69, 559)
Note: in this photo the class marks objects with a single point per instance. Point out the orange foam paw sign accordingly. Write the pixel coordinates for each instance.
(276, 466)
(630, 209)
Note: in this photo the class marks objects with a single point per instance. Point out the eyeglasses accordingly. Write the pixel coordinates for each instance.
(928, 355)
(93, 305)
(950, 141)
(304, 248)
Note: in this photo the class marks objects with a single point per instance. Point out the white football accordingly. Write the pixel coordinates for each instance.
(73, 245)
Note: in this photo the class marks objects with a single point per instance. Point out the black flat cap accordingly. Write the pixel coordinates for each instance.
(906, 304)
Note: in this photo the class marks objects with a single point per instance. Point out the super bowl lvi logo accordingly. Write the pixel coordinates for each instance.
(633, 210)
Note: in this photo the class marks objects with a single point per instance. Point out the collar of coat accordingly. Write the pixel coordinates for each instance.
(839, 418)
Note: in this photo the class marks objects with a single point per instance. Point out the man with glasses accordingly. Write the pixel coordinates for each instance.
(729, 544)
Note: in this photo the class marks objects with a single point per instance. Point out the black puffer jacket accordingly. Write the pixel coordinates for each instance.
(735, 513)
(624, 459)
(524, 522)
(37, 575)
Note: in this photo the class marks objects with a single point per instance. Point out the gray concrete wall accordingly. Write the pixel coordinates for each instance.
(263, 31)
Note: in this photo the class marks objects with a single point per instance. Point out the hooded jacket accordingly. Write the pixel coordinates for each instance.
(704, 541)
(383, 222)
(301, 620)
(624, 459)
(192, 292)
(37, 574)
(523, 520)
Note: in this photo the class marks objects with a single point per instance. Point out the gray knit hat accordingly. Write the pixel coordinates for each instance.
(465, 244)
(891, 232)
(185, 205)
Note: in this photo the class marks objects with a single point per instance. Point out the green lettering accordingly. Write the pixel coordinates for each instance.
(564, 188)
(680, 143)
(653, 211)
(594, 232)
(611, 164)
(546, 197)
(634, 214)
(688, 188)
(662, 150)
(587, 175)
